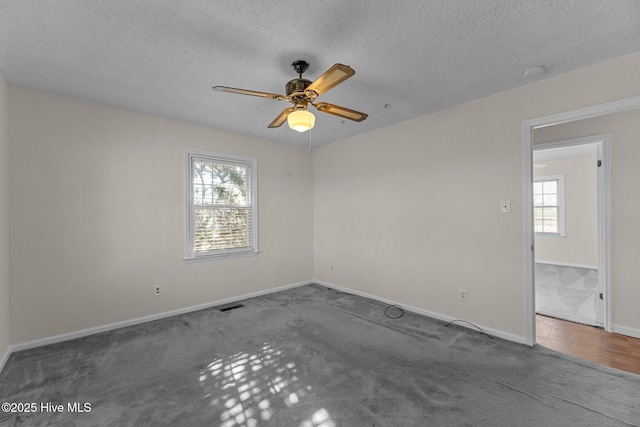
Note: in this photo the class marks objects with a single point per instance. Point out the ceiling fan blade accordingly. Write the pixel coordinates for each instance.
(249, 92)
(339, 111)
(331, 78)
(282, 117)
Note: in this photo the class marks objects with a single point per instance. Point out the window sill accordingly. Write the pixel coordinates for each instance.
(207, 258)
(551, 235)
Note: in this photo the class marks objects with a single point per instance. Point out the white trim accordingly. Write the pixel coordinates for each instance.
(550, 236)
(90, 331)
(252, 164)
(584, 113)
(566, 264)
(591, 139)
(527, 176)
(243, 254)
(529, 298)
(605, 231)
(625, 330)
(490, 331)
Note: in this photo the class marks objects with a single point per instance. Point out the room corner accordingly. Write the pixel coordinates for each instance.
(4, 223)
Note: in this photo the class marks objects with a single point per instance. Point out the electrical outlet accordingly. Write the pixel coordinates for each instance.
(157, 290)
(274, 270)
(464, 295)
(331, 267)
(505, 206)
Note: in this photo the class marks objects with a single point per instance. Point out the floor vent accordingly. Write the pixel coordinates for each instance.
(231, 307)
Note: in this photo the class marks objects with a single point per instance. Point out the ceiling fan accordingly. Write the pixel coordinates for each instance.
(302, 93)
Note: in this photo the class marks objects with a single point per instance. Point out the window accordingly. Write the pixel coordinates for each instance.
(548, 205)
(221, 203)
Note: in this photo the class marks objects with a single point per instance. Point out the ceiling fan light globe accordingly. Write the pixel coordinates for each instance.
(301, 120)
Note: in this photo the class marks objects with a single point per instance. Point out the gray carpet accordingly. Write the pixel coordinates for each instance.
(312, 357)
(569, 293)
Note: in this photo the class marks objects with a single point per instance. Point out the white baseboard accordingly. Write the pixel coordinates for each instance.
(490, 331)
(625, 330)
(567, 264)
(90, 331)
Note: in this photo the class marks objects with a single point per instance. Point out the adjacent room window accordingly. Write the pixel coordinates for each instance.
(548, 205)
(221, 203)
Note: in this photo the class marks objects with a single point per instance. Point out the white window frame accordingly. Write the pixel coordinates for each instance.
(561, 204)
(189, 234)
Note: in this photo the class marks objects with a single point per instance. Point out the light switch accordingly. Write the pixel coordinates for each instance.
(505, 206)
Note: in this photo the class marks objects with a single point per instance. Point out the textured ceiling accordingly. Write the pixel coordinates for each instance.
(411, 57)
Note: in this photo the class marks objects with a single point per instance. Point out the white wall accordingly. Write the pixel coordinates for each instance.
(4, 221)
(624, 128)
(411, 212)
(97, 216)
(580, 245)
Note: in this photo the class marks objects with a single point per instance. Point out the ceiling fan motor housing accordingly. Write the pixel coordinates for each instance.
(296, 87)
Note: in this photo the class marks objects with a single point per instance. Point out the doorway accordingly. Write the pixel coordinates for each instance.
(569, 236)
(605, 270)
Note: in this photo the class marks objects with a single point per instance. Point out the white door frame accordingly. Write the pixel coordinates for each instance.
(603, 155)
(527, 200)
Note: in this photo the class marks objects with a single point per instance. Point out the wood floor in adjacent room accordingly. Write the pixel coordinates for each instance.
(589, 343)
